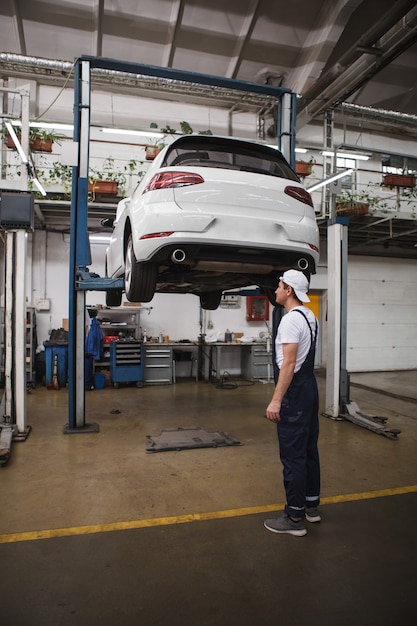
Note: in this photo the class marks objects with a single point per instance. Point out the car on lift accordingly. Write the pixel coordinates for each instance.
(211, 214)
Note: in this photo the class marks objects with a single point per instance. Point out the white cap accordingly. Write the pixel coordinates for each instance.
(298, 281)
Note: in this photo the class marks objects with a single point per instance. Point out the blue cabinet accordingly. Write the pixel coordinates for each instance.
(126, 362)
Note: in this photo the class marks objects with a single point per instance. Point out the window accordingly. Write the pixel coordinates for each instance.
(398, 164)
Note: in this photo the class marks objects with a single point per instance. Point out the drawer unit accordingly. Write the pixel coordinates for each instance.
(158, 364)
(257, 362)
(126, 362)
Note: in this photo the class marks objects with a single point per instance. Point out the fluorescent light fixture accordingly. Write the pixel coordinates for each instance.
(46, 125)
(139, 133)
(39, 186)
(347, 155)
(16, 142)
(298, 150)
(329, 180)
(51, 126)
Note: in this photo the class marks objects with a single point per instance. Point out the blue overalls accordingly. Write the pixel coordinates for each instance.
(298, 432)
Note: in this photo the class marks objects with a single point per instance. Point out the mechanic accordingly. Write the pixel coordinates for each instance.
(294, 406)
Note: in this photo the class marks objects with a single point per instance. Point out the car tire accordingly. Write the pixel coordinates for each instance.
(210, 300)
(140, 278)
(114, 297)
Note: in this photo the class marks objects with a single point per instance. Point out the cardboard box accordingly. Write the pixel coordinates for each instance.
(65, 323)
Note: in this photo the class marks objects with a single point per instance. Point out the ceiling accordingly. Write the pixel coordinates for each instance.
(346, 54)
(327, 51)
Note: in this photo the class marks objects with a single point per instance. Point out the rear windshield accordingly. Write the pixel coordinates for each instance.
(228, 154)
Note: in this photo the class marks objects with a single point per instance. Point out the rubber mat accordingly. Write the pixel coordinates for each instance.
(188, 439)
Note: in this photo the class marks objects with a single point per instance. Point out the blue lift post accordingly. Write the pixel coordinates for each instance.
(80, 279)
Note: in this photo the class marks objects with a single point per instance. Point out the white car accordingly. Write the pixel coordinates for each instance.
(211, 214)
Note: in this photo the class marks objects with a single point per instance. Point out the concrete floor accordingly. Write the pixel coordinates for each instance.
(96, 531)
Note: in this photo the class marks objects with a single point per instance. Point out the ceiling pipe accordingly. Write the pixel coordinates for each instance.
(371, 112)
(49, 71)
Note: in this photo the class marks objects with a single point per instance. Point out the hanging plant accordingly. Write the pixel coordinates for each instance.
(106, 182)
(400, 180)
(39, 140)
(151, 152)
(303, 168)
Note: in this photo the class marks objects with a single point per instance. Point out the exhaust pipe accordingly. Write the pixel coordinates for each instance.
(178, 256)
(302, 264)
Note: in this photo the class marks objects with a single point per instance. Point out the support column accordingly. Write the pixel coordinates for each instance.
(337, 387)
(15, 330)
(286, 126)
(80, 255)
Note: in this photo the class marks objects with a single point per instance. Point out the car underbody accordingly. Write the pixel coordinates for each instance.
(203, 268)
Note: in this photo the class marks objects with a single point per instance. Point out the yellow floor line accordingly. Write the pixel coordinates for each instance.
(193, 517)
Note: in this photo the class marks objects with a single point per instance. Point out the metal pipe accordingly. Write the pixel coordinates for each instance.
(178, 256)
(302, 264)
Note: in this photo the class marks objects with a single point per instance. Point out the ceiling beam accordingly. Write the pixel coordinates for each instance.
(394, 32)
(244, 36)
(174, 25)
(313, 56)
(18, 23)
(98, 25)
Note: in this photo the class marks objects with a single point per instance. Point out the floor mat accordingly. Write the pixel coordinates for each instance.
(188, 439)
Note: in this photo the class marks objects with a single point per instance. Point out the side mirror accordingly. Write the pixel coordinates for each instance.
(107, 222)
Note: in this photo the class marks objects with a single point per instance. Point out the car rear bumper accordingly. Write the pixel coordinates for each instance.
(232, 258)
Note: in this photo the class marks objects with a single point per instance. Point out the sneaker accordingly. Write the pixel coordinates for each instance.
(285, 524)
(312, 514)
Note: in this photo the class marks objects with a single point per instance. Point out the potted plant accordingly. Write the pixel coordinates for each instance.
(399, 180)
(106, 182)
(350, 204)
(40, 140)
(152, 149)
(303, 168)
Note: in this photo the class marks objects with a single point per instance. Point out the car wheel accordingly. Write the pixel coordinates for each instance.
(114, 297)
(140, 278)
(210, 300)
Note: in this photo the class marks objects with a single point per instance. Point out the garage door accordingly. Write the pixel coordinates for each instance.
(382, 307)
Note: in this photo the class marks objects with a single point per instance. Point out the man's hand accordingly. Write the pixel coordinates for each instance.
(273, 411)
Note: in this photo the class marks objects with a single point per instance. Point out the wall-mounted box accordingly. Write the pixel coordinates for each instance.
(257, 308)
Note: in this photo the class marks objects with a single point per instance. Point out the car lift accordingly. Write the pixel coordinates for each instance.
(13, 405)
(13, 425)
(338, 402)
(81, 279)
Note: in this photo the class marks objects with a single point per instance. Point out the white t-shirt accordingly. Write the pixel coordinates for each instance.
(293, 329)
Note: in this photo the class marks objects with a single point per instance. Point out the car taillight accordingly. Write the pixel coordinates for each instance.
(299, 194)
(164, 233)
(165, 180)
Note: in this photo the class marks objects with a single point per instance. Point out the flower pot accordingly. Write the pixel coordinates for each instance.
(151, 152)
(302, 168)
(353, 209)
(37, 144)
(399, 180)
(103, 187)
(10, 142)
